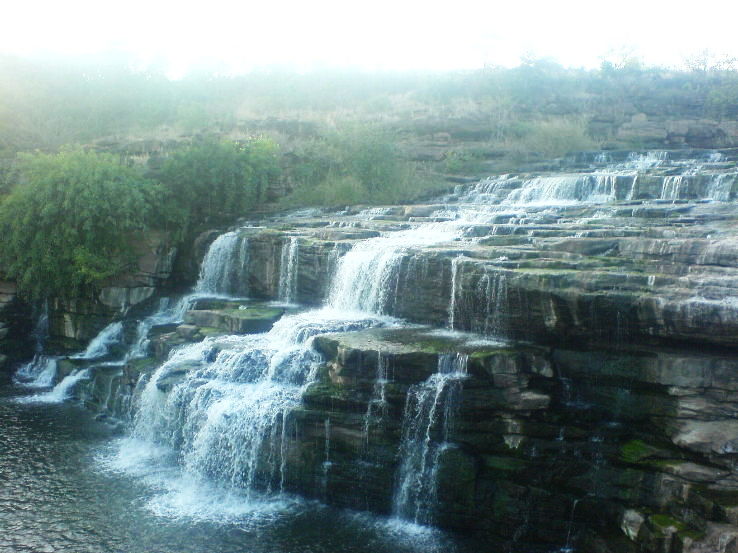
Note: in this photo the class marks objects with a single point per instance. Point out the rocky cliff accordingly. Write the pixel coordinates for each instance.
(547, 359)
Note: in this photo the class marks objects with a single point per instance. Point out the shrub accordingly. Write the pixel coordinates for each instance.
(213, 182)
(550, 138)
(71, 221)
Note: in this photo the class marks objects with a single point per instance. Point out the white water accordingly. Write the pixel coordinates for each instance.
(721, 187)
(428, 416)
(40, 372)
(671, 188)
(100, 345)
(59, 393)
(376, 407)
(368, 273)
(563, 190)
(288, 271)
(228, 416)
(452, 302)
(223, 266)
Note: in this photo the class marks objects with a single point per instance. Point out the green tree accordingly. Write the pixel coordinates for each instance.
(71, 221)
(217, 181)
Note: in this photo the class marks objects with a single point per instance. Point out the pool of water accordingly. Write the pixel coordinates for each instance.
(65, 487)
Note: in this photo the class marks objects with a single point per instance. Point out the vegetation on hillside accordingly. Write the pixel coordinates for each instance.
(71, 221)
(215, 182)
(69, 215)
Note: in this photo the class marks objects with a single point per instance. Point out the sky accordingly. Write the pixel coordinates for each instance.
(238, 36)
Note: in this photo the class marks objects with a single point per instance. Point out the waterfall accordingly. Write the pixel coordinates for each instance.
(564, 189)
(721, 187)
(326, 464)
(221, 272)
(366, 276)
(376, 407)
(671, 188)
(452, 302)
(61, 392)
(40, 372)
(100, 345)
(288, 271)
(429, 411)
(229, 399)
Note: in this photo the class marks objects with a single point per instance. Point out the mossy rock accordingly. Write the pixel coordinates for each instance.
(241, 320)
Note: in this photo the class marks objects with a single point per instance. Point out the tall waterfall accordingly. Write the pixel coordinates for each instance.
(429, 412)
(288, 271)
(223, 265)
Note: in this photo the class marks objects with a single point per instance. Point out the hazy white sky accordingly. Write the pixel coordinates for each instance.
(383, 34)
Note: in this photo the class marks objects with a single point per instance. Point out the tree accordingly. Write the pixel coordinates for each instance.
(71, 221)
(217, 181)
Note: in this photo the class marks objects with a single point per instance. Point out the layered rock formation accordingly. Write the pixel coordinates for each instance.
(570, 380)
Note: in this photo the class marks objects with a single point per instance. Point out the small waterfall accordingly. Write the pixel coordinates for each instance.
(221, 272)
(376, 408)
(427, 419)
(100, 345)
(326, 465)
(720, 188)
(165, 314)
(671, 188)
(455, 262)
(288, 271)
(61, 392)
(565, 189)
(493, 287)
(643, 162)
(40, 371)
(366, 276)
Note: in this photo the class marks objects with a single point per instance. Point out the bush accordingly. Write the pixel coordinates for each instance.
(353, 166)
(71, 221)
(550, 138)
(213, 182)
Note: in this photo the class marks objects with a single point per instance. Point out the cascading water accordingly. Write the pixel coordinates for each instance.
(220, 274)
(61, 392)
(672, 187)
(564, 189)
(40, 371)
(100, 345)
(367, 274)
(429, 412)
(452, 302)
(288, 271)
(227, 412)
(223, 265)
(376, 407)
(721, 187)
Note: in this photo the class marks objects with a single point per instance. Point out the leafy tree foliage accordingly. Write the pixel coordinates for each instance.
(217, 181)
(71, 221)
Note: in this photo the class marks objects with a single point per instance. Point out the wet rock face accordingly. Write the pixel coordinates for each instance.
(15, 329)
(599, 401)
(73, 323)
